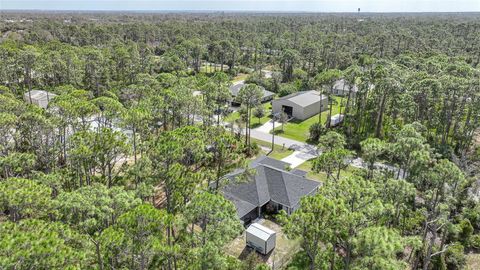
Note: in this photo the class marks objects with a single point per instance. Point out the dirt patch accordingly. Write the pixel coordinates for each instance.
(279, 257)
(473, 261)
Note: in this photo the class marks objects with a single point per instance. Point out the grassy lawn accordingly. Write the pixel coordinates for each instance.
(254, 122)
(210, 69)
(278, 152)
(321, 176)
(240, 77)
(299, 130)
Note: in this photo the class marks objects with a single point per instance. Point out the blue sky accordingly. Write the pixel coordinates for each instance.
(251, 5)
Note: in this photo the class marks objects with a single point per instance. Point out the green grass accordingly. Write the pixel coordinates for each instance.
(299, 130)
(240, 77)
(278, 152)
(321, 176)
(254, 122)
(211, 69)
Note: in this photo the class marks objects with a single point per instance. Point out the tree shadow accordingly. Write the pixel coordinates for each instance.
(255, 125)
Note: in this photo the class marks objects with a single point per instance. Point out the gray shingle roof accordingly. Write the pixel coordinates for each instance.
(235, 89)
(275, 163)
(269, 183)
(304, 98)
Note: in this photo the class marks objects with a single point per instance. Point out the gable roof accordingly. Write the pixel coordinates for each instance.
(39, 95)
(269, 183)
(260, 231)
(304, 98)
(235, 89)
(274, 163)
(341, 85)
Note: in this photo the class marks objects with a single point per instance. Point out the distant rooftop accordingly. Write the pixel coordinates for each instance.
(235, 89)
(304, 98)
(341, 85)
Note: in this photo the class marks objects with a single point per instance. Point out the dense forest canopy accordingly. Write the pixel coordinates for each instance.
(124, 168)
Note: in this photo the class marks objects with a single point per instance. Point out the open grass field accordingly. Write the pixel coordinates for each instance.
(299, 130)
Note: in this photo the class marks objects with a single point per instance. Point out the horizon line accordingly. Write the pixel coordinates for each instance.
(231, 11)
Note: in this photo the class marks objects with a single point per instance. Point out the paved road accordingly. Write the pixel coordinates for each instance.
(267, 126)
(303, 151)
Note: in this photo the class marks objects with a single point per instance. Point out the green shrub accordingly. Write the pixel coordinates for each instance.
(475, 241)
(465, 231)
(455, 257)
(316, 130)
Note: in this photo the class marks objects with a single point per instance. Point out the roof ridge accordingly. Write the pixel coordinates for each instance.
(257, 182)
(285, 187)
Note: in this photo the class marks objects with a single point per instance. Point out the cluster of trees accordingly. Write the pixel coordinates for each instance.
(383, 219)
(119, 178)
(123, 169)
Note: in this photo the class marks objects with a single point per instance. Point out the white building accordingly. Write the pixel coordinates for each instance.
(335, 120)
(341, 88)
(261, 238)
(301, 105)
(40, 98)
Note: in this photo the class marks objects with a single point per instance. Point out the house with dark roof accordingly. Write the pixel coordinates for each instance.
(341, 88)
(301, 105)
(269, 188)
(235, 90)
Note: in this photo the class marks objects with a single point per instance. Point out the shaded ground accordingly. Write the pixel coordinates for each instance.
(473, 261)
(279, 257)
(254, 122)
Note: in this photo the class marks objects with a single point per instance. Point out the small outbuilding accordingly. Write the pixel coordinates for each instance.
(336, 120)
(260, 238)
(40, 98)
(235, 90)
(341, 88)
(301, 105)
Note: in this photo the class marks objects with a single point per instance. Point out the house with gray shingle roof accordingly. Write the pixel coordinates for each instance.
(270, 188)
(235, 90)
(301, 105)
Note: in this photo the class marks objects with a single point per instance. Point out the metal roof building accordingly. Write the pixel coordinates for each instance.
(301, 105)
(40, 98)
(260, 238)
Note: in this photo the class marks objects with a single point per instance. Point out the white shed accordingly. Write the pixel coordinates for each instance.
(261, 238)
(336, 120)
